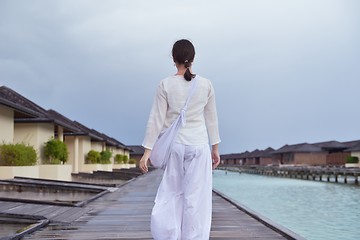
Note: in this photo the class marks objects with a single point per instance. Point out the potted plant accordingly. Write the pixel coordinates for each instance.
(352, 161)
(55, 152)
(18, 160)
(17, 155)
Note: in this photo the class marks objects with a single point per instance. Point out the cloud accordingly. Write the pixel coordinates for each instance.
(284, 71)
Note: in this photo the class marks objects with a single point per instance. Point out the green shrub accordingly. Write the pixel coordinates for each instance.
(55, 151)
(17, 155)
(105, 157)
(125, 159)
(352, 159)
(132, 161)
(120, 158)
(93, 157)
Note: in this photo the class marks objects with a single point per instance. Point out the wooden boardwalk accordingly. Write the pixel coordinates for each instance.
(315, 173)
(125, 214)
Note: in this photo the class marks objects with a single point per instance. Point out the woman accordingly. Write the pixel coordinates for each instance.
(183, 203)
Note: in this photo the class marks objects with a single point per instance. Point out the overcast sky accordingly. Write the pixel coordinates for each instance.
(284, 71)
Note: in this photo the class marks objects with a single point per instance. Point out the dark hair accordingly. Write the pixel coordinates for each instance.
(183, 52)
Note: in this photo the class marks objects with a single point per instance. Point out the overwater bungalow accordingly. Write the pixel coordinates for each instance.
(266, 157)
(253, 158)
(322, 153)
(231, 159)
(335, 150)
(243, 157)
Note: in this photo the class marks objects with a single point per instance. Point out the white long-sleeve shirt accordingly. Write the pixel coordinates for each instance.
(201, 116)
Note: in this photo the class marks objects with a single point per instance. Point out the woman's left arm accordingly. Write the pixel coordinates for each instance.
(144, 160)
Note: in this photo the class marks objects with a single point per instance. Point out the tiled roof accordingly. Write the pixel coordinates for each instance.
(64, 121)
(331, 145)
(267, 152)
(4, 101)
(231, 156)
(297, 148)
(120, 144)
(98, 136)
(260, 153)
(245, 154)
(351, 144)
(20, 100)
(254, 153)
(137, 149)
(354, 148)
(110, 141)
(93, 135)
(22, 103)
(31, 112)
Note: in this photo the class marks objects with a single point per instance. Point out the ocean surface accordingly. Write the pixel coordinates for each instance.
(314, 210)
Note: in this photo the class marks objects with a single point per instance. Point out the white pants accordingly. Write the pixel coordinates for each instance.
(183, 203)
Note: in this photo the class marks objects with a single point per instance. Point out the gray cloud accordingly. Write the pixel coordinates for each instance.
(284, 71)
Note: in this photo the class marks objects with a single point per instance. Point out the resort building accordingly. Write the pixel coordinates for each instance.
(23, 121)
(320, 154)
(330, 153)
(231, 159)
(265, 157)
(354, 150)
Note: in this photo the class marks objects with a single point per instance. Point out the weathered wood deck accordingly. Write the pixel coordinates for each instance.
(125, 214)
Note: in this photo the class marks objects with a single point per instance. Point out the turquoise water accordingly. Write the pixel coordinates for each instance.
(314, 210)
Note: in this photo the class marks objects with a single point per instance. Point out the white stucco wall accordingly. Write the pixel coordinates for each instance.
(85, 146)
(113, 151)
(9, 172)
(119, 151)
(6, 125)
(97, 146)
(78, 147)
(55, 172)
(356, 154)
(73, 150)
(34, 134)
(122, 152)
(127, 153)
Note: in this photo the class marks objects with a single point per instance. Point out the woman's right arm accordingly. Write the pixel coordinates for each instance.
(154, 125)
(156, 118)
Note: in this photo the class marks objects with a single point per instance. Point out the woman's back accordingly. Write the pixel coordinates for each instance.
(176, 89)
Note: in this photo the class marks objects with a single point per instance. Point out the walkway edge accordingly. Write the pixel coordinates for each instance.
(32, 227)
(285, 232)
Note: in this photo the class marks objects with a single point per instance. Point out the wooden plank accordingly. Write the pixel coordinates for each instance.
(70, 215)
(125, 214)
(8, 205)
